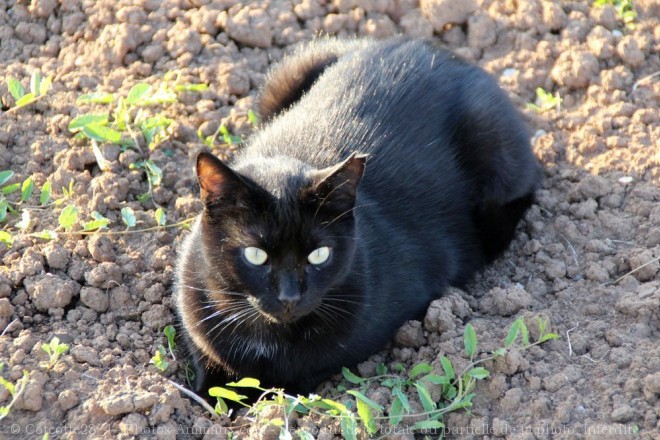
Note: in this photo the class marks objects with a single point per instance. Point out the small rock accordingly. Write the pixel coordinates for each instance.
(575, 69)
(6, 309)
(82, 353)
(481, 31)
(415, 24)
(443, 12)
(629, 51)
(623, 413)
(67, 399)
(250, 26)
(118, 404)
(144, 401)
(104, 275)
(95, 299)
(652, 385)
(157, 317)
(507, 302)
(133, 424)
(56, 255)
(101, 248)
(33, 396)
(410, 335)
(51, 292)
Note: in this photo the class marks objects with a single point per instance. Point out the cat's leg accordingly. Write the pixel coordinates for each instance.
(294, 76)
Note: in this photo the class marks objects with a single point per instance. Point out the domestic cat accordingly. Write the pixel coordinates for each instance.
(384, 172)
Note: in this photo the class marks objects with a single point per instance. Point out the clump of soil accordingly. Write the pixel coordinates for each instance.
(586, 256)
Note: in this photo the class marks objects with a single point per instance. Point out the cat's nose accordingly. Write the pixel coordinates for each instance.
(289, 302)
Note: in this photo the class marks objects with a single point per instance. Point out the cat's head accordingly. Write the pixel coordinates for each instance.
(279, 232)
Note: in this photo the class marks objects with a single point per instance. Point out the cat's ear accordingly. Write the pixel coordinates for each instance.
(217, 181)
(338, 183)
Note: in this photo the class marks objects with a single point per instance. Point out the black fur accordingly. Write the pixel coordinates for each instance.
(448, 174)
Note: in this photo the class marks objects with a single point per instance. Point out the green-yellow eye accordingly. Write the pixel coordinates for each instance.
(319, 256)
(255, 256)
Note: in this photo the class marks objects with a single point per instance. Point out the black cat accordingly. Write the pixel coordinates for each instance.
(384, 172)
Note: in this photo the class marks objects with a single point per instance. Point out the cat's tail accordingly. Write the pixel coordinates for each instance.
(296, 74)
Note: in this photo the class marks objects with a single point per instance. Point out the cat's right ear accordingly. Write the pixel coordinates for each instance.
(218, 182)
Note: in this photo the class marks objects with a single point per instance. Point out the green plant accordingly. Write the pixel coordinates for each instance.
(54, 350)
(227, 137)
(15, 390)
(624, 10)
(160, 358)
(545, 101)
(456, 390)
(38, 88)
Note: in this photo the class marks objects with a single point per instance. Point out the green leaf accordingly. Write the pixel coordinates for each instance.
(5, 176)
(424, 396)
(137, 93)
(246, 382)
(27, 188)
(221, 407)
(15, 88)
(396, 412)
(161, 219)
(44, 197)
(367, 417)
(44, 87)
(447, 367)
(4, 206)
(304, 435)
(381, 369)
(68, 217)
(95, 98)
(421, 368)
(548, 336)
(224, 393)
(101, 133)
(11, 188)
(35, 82)
(5, 237)
(154, 173)
(524, 333)
(478, 373)
(97, 223)
(191, 87)
(82, 121)
(170, 333)
(470, 340)
(512, 334)
(8, 385)
(399, 394)
(128, 216)
(352, 378)
(500, 352)
(428, 424)
(25, 100)
(349, 428)
(252, 117)
(360, 396)
(46, 235)
(436, 379)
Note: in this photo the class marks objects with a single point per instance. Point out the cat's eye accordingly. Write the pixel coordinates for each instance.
(255, 256)
(319, 256)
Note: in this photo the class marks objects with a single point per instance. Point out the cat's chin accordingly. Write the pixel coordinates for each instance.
(281, 319)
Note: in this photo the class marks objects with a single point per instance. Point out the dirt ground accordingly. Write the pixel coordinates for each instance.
(109, 296)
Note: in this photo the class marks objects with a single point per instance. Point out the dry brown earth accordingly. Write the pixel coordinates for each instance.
(108, 297)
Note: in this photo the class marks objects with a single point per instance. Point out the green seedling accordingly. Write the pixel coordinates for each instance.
(545, 101)
(128, 217)
(68, 217)
(38, 89)
(223, 132)
(624, 10)
(15, 390)
(160, 358)
(98, 222)
(54, 350)
(457, 390)
(252, 117)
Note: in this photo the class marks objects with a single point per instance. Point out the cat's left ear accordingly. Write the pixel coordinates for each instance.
(217, 181)
(339, 183)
